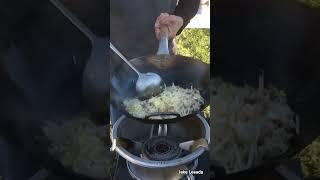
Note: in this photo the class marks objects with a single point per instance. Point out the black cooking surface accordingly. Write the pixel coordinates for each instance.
(15, 163)
(279, 37)
(45, 60)
(42, 59)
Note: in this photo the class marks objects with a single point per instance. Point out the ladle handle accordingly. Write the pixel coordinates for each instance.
(163, 43)
(114, 49)
(82, 27)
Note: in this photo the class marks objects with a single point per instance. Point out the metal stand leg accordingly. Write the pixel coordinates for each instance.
(162, 130)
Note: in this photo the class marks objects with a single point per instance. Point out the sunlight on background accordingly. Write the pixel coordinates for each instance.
(194, 41)
(202, 18)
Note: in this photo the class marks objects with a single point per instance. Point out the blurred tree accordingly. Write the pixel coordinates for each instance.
(194, 43)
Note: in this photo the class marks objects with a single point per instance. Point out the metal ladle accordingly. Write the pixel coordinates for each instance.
(95, 75)
(148, 84)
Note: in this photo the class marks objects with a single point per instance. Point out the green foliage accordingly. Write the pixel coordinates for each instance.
(311, 3)
(194, 43)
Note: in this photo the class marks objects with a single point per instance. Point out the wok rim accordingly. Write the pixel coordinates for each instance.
(293, 149)
(169, 120)
(39, 151)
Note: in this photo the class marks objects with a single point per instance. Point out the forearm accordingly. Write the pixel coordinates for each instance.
(186, 9)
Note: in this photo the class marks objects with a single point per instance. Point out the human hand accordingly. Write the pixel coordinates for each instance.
(169, 23)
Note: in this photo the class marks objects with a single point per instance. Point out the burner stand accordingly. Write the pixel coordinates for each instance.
(161, 148)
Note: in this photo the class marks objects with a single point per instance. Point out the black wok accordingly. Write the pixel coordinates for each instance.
(295, 144)
(182, 71)
(282, 39)
(47, 82)
(95, 76)
(39, 151)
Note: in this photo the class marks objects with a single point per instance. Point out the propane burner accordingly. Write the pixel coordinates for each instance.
(157, 152)
(161, 148)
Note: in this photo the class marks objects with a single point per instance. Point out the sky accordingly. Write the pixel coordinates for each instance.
(201, 19)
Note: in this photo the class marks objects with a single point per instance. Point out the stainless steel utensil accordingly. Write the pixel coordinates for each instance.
(148, 84)
(96, 74)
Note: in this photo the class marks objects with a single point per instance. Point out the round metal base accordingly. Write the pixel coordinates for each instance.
(196, 128)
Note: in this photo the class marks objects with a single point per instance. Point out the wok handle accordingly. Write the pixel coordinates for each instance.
(163, 43)
(149, 117)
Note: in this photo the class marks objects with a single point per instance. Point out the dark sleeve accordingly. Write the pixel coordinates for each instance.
(186, 9)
